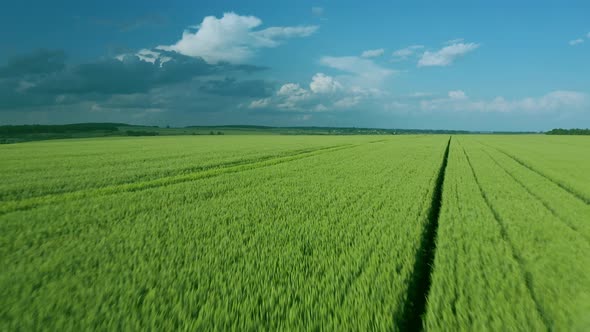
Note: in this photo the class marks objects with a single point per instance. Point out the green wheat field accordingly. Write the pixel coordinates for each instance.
(318, 233)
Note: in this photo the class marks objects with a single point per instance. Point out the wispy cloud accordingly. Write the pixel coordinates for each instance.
(446, 55)
(454, 41)
(373, 53)
(457, 95)
(317, 11)
(576, 42)
(259, 103)
(560, 100)
(233, 38)
(405, 53)
(365, 71)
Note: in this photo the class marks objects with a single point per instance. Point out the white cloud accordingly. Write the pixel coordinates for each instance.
(322, 89)
(317, 11)
(266, 37)
(324, 94)
(320, 108)
(576, 41)
(152, 56)
(291, 89)
(454, 41)
(420, 95)
(321, 83)
(559, 100)
(366, 72)
(404, 53)
(291, 94)
(446, 55)
(232, 38)
(373, 53)
(146, 55)
(588, 35)
(347, 102)
(457, 95)
(259, 103)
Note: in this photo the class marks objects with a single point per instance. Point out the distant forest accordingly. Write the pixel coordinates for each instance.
(25, 133)
(574, 131)
(75, 127)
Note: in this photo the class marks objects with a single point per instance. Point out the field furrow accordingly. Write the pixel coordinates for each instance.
(477, 281)
(562, 160)
(552, 254)
(562, 205)
(563, 186)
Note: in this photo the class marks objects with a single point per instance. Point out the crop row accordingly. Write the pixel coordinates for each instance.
(329, 241)
(509, 251)
(44, 168)
(562, 160)
(237, 166)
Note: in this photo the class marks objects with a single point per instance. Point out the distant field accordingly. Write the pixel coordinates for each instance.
(260, 232)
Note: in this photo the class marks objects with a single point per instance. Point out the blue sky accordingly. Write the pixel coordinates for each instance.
(389, 64)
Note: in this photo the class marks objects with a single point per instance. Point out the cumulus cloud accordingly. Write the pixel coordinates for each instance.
(325, 94)
(446, 55)
(576, 41)
(373, 53)
(291, 95)
(42, 79)
(233, 38)
(321, 83)
(405, 53)
(291, 89)
(128, 75)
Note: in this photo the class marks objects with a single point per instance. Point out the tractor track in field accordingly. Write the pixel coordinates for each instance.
(183, 171)
(30, 203)
(529, 167)
(414, 307)
(515, 254)
(539, 199)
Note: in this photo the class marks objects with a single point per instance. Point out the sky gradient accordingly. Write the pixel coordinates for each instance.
(385, 64)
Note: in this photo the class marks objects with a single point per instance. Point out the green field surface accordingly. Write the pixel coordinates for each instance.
(336, 233)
